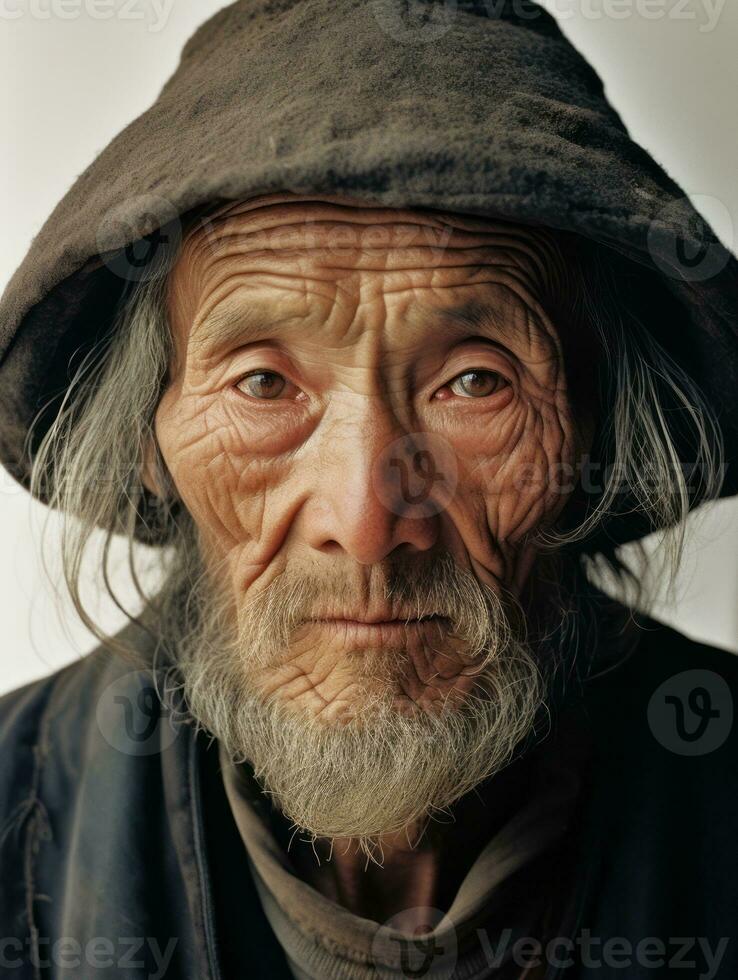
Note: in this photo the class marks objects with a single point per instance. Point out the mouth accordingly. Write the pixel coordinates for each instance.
(383, 630)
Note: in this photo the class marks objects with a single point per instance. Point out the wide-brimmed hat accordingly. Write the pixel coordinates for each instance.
(477, 107)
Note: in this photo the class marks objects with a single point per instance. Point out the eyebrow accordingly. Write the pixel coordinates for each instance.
(247, 323)
(488, 318)
(226, 324)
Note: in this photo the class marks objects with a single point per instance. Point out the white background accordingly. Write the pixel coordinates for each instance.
(71, 80)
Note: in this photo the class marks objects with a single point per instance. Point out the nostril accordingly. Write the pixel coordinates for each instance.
(331, 547)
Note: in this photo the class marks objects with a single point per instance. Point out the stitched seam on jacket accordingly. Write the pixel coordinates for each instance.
(38, 828)
(206, 909)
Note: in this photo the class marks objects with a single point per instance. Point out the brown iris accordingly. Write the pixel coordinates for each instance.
(263, 384)
(483, 382)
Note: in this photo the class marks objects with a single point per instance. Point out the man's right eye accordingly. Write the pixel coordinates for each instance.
(262, 384)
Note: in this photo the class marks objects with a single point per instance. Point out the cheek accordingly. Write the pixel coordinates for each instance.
(516, 461)
(224, 477)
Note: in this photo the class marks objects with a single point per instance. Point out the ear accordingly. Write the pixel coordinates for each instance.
(151, 470)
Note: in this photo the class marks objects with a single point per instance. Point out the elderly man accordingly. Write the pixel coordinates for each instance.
(384, 335)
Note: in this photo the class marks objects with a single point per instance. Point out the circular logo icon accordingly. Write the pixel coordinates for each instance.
(417, 942)
(416, 475)
(140, 238)
(132, 717)
(414, 22)
(682, 243)
(691, 713)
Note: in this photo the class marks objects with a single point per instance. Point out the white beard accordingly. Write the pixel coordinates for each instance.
(382, 770)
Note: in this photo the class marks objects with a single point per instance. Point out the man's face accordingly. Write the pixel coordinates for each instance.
(365, 407)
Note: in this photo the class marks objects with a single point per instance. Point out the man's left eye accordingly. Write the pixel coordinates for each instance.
(262, 384)
(478, 383)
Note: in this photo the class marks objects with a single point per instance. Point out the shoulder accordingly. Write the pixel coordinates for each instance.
(658, 839)
(665, 658)
(53, 715)
(668, 649)
(664, 727)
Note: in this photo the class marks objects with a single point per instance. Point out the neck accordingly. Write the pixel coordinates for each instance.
(419, 867)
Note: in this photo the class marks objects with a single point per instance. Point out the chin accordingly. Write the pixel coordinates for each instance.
(365, 684)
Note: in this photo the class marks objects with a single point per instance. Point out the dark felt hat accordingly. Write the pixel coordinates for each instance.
(477, 107)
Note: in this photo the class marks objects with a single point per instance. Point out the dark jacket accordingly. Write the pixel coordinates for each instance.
(120, 858)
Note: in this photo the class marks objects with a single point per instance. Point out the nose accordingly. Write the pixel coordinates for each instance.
(378, 489)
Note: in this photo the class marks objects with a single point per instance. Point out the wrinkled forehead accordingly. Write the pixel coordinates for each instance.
(368, 235)
(350, 235)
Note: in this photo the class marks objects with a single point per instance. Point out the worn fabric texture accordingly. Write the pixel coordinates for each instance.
(481, 107)
(515, 880)
(116, 833)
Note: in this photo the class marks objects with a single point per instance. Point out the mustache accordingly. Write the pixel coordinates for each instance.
(270, 616)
